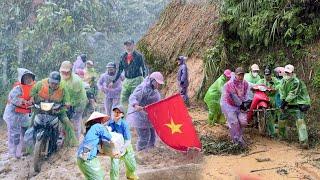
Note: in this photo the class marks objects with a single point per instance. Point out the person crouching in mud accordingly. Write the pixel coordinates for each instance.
(87, 160)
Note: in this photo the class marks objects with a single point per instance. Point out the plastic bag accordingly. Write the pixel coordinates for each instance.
(109, 148)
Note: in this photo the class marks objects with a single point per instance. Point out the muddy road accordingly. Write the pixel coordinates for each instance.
(265, 159)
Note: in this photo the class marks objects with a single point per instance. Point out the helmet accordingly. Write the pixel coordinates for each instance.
(227, 73)
(111, 65)
(255, 67)
(54, 77)
(66, 66)
(83, 57)
(182, 58)
(89, 63)
(157, 76)
(289, 68)
(279, 71)
(267, 72)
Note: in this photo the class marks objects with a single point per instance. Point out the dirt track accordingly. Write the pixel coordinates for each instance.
(288, 161)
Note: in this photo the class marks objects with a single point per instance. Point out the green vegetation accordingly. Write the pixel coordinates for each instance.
(39, 35)
(270, 32)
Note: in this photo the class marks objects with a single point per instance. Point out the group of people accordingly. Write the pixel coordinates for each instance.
(227, 97)
(127, 89)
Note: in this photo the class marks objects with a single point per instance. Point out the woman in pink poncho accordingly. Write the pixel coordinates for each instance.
(234, 94)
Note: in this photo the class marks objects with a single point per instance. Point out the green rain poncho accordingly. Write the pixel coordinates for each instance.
(212, 99)
(294, 92)
(77, 93)
(67, 126)
(253, 80)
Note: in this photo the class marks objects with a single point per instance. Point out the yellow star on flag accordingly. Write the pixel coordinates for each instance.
(175, 128)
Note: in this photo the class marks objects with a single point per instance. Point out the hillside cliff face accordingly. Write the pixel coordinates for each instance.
(190, 28)
(186, 28)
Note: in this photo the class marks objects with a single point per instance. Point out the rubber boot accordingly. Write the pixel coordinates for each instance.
(302, 133)
(282, 129)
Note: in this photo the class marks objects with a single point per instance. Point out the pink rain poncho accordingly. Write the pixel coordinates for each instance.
(234, 93)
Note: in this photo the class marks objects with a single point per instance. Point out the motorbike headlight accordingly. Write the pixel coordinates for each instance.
(46, 106)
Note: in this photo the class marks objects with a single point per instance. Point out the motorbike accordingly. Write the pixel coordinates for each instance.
(260, 108)
(46, 132)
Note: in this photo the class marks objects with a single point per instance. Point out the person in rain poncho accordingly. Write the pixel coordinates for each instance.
(90, 78)
(274, 83)
(183, 80)
(253, 76)
(112, 94)
(295, 103)
(50, 90)
(16, 113)
(234, 95)
(119, 125)
(279, 73)
(80, 63)
(78, 98)
(146, 93)
(212, 99)
(132, 64)
(87, 160)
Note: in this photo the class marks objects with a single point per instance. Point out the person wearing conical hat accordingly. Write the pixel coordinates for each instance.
(87, 160)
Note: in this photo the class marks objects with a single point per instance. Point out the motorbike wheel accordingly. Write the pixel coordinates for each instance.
(37, 155)
(262, 123)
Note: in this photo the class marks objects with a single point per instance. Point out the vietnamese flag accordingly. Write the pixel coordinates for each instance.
(173, 124)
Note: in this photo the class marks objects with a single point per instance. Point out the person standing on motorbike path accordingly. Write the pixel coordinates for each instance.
(234, 96)
(90, 78)
(78, 97)
(213, 96)
(87, 160)
(112, 94)
(50, 90)
(144, 94)
(183, 79)
(119, 125)
(295, 103)
(16, 113)
(79, 63)
(274, 84)
(132, 63)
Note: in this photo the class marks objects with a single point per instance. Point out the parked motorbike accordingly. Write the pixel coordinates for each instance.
(260, 107)
(46, 132)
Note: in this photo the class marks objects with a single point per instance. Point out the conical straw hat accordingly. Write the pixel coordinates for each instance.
(96, 115)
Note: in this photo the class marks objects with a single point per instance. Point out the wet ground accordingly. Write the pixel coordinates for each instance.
(265, 159)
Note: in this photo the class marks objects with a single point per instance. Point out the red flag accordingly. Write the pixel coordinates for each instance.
(173, 124)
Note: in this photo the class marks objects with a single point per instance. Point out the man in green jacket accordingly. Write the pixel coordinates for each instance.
(50, 89)
(78, 98)
(212, 99)
(295, 102)
(274, 83)
(253, 76)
